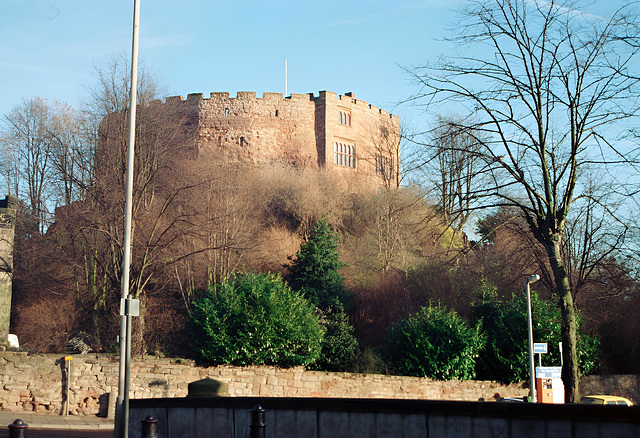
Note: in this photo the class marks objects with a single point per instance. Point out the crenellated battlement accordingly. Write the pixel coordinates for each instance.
(318, 131)
(270, 98)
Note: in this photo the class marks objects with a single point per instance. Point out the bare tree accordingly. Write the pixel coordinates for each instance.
(452, 168)
(8, 164)
(545, 87)
(93, 158)
(110, 93)
(71, 154)
(28, 126)
(222, 217)
(594, 241)
(385, 139)
(46, 156)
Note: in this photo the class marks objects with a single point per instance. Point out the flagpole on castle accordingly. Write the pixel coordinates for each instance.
(122, 402)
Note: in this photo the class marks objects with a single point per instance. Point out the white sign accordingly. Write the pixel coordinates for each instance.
(548, 372)
(129, 306)
(13, 341)
(540, 347)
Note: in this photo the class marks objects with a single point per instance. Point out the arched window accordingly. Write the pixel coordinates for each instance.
(345, 118)
(344, 155)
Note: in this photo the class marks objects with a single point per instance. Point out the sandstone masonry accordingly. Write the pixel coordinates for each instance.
(7, 230)
(329, 131)
(37, 383)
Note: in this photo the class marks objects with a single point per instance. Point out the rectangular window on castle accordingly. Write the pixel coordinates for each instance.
(345, 118)
(384, 166)
(344, 155)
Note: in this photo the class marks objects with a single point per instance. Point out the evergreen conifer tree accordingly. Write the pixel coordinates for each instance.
(314, 270)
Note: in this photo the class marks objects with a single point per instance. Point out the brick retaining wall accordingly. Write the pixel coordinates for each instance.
(35, 382)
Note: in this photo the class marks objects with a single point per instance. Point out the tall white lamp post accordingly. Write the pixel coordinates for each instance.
(122, 401)
(532, 369)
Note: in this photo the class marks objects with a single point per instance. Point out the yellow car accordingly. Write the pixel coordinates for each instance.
(605, 400)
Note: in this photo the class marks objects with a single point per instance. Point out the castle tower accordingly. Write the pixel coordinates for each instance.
(7, 232)
(328, 132)
(356, 137)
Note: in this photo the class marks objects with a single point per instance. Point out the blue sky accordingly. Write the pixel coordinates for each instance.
(48, 47)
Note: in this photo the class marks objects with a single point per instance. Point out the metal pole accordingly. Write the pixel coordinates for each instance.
(17, 429)
(125, 402)
(532, 369)
(149, 427)
(257, 426)
(122, 402)
(540, 360)
(68, 381)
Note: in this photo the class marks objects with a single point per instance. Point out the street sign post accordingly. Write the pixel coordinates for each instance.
(540, 348)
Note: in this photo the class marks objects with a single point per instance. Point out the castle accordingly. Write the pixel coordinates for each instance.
(329, 131)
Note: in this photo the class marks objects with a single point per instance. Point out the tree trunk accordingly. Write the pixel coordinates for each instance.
(570, 372)
(140, 346)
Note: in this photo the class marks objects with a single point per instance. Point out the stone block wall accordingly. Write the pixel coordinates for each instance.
(7, 231)
(36, 382)
(626, 385)
(299, 131)
(374, 133)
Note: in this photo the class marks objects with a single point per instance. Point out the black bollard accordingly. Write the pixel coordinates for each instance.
(17, 429)
(149, 429)
(256, 428)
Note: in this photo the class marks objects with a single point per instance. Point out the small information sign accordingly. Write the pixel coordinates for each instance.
(540, 348)
(548, 372)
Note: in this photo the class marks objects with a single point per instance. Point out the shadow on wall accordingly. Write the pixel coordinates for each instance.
(64, 382)
(103, 403)
(161, 383)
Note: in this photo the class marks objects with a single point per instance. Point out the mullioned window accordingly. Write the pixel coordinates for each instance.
(344, 155)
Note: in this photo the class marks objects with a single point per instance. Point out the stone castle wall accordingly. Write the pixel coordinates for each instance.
(7, 231)
(37, 383)
(259, 130)
(301, 130)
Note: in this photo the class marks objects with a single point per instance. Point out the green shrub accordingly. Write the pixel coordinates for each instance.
(434, 343)
(255, 319)
(314, 271)
(340, 348)
(506, 355)
(370, 362)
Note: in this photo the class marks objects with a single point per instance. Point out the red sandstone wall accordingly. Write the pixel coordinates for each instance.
(300, 130)
(364, 131)
(35, 382)
(259, 130)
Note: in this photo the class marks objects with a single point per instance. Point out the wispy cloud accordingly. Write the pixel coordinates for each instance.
(35, 68)
(399, 10)
(566, 10)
